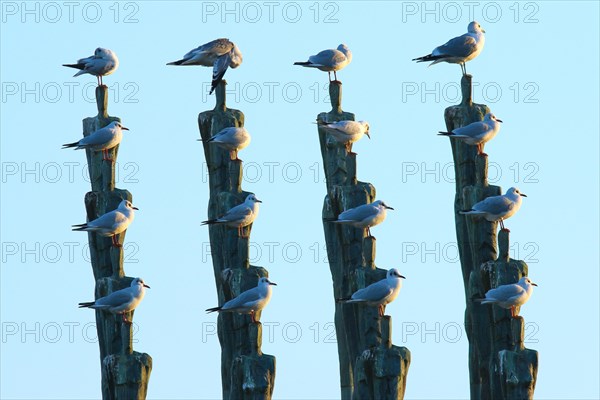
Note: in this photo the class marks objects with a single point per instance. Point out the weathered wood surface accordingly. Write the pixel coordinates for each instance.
(371, 367)
(499, 365)
(125, 372)
(246, 373)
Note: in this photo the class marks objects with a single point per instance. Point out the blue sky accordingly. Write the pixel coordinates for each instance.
(538, 73)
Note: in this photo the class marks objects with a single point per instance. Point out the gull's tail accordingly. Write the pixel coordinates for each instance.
(445, 133)
(428, 57)
(178, 62)
(210, 222)
(79, 227)
(69, 145)
(209, 310)
(76, 66)
(304, 63)
(86, 304)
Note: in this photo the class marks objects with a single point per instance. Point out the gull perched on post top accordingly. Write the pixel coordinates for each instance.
(477, 133)
(112, 223)
(250, 301)
(103, 139)
(379, 293)
(103, 62)
(364, 216)
(329, 60)
(458, 50)
(498, 208)
(121, 301)
(510, 296)
(346, 132)
(219, 54)
(239, 216)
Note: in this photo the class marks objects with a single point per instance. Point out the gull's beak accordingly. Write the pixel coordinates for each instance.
(146, 286)
(389, 208)
(523, 194)
(367, 133)
(135, 208)
(499, 120)
(122, 127)
(272, 283)
(534, 284)
(402, 276)
(483, 30)
(258, 201)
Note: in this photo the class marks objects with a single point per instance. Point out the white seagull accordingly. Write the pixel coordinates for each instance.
(379, 293)
(347, 132)
(460, 49)
(112, 223)
(329, 60)
(239, 216)
(121, 301)
(103, 62)
(232, 139)
(364, 216)
(477, 133)
(218, 54)
(510, 296)
(250, 301)
(103, 139)
(498, 208)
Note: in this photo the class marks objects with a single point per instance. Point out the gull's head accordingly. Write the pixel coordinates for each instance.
(126, 204)
(474, 27)
(394, 274)
(266, 282)
(381, 203)
(513, 191)
(366, 127)
(344, 49)
(139, 282)
(526, 281)
(251, 198)
(117, 124)
(236, 57)
(104, 53)
(492, 117)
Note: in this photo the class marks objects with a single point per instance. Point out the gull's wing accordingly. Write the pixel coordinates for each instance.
(228, 135)
(348, 128)
(327, 58)
(473, 130)
(359, 213)
(108, 220)
(495, 205)
(236, 213)
(115, 299)
(218, 47)
(374, 292)
(505, 292)
(99, 137)
(244, 299)
(219, 68)
(461, 46)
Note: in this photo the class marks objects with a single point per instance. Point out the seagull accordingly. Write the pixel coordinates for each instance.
(510, 296)
(347, 132)
(329, 60)
(364, 216)
(379, 293)
(498, 208)
(477, 133)
(239, 216)
(232, 139)
(121, 301)
(103, 139)
(112, 223)
(460, 49)
(219, 54)
(103, 62)
(250, 301)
